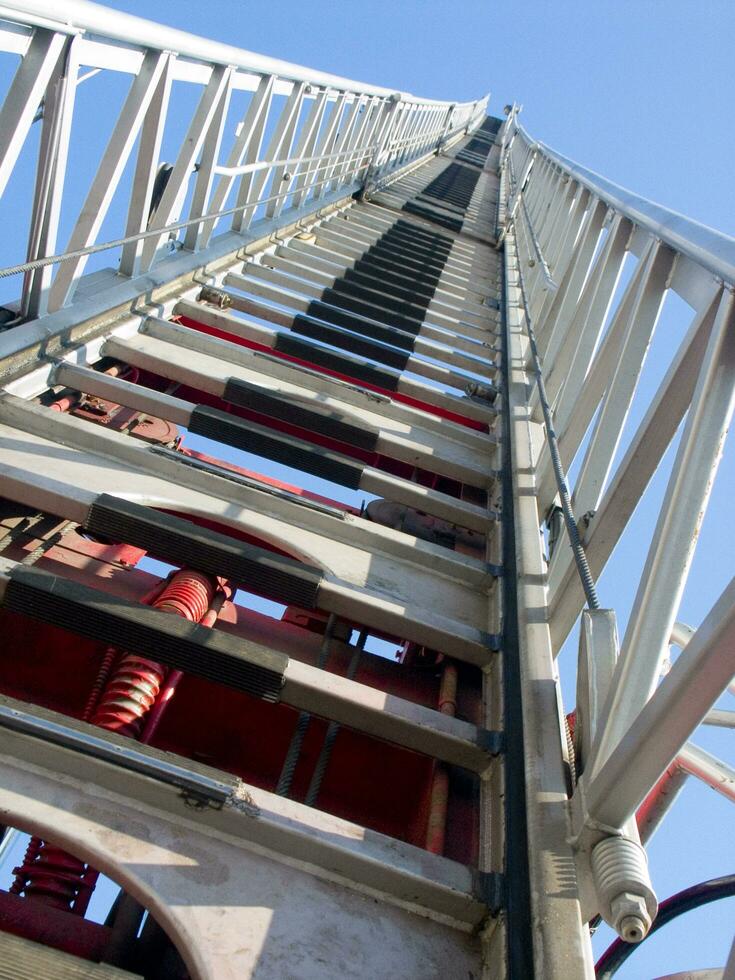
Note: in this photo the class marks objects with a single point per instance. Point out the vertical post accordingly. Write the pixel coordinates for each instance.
(361, 125)
(392, 108)
(173, 197)
(574, 416)
(567, 297)
(107, 178)
(586, 321)
(208, 162)
(307, 144)
(50, 176)
(146, 168)
(25, 94)
(246, 150)
(621, 390)
(447, 128)
(281, 175)
(325, 145)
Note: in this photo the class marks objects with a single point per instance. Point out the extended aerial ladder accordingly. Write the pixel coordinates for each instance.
(292, 377)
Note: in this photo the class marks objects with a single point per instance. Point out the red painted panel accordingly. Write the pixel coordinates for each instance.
(373, 783)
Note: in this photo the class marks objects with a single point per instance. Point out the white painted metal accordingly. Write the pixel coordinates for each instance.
(399, 441)
(566, 375)
(169, 207)
(59, 104)
(26, 91)
(42, 789)
(402, 419)
(362, 707)
(724, 719)
(110, 170)
(53, 47)
(328, 138)
(620, 781)
(565, 301)
(634, 472)
(707, 767)
(313, 255)
(240, 327)
(655, 608)
(145, 172)
(709, 249)
(621, 388)
(594, 342)
(357, 582)
(598, 651)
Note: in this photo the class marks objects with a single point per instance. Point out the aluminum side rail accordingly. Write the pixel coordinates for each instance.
(600, 265)
(706, 246)
(324, 134)
(593, 373)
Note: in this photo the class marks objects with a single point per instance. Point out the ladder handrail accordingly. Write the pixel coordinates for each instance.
(709, 248)
(76, 16)
(327, 139)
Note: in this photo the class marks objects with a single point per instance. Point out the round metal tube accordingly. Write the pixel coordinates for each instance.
(711, 770)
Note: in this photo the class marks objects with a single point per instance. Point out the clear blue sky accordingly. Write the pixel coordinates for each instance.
(642, 92)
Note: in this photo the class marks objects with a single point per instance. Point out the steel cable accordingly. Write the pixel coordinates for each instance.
(580, 557)
(283, 787)
(80, 253)
(14, 270)
(332, 731)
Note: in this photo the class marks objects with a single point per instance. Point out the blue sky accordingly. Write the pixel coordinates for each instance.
(642, 92)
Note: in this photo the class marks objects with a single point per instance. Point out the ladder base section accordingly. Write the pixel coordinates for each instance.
(262, 896)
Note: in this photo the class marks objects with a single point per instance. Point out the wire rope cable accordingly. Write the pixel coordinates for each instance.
(80, 253)
(332, 731)
(283, 787)
(580, 557)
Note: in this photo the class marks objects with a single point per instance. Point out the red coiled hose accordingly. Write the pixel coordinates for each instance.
(48, 874)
